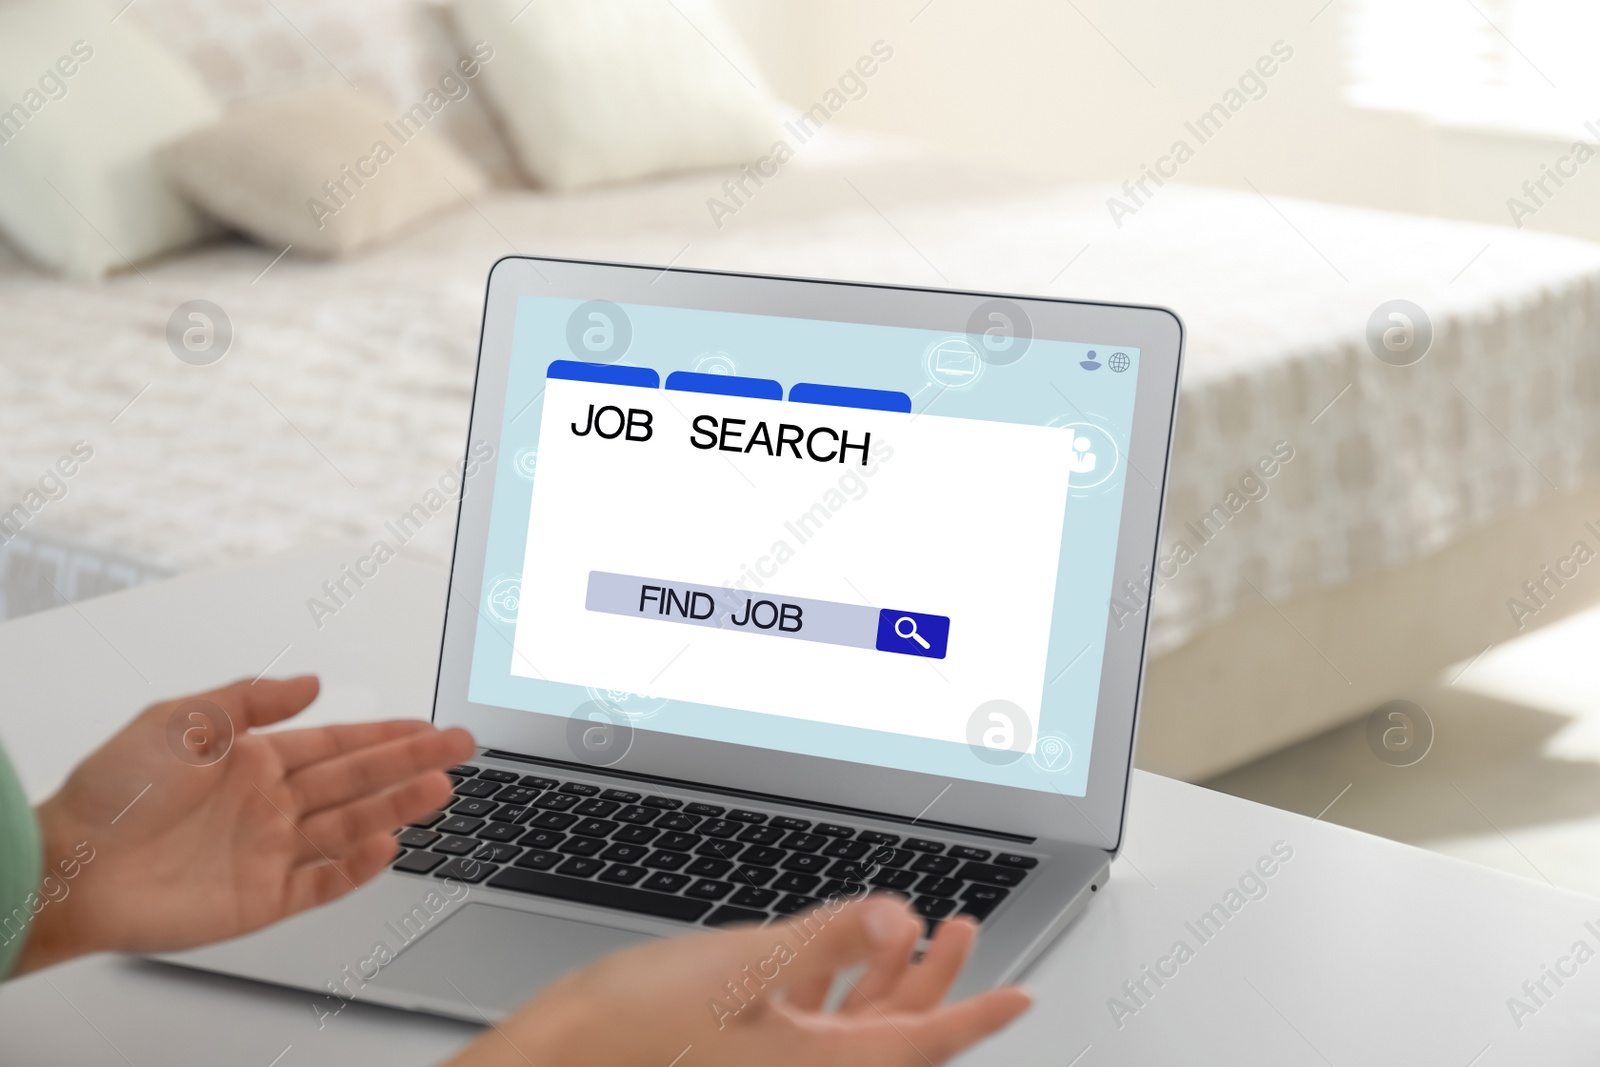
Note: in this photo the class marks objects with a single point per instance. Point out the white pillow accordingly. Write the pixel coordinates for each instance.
(606, 90)
(84, 102)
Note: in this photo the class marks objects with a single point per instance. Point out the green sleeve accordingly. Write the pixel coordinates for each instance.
(19, 865)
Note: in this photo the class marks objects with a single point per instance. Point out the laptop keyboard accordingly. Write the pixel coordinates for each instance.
(688, 861)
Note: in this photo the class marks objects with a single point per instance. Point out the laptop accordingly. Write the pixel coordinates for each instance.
(767, 591)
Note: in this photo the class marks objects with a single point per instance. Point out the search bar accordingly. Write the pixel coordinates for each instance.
(908, 633)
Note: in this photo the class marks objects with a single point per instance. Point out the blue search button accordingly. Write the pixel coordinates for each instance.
(913, 634)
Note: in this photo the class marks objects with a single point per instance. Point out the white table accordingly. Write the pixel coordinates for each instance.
(1362, 951)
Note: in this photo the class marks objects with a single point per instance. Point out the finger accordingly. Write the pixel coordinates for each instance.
(888, 970)
(264, 700)
(924, 986)
(365, 771)
(839, 934)
(334, 830)
(319, 883)
(298, 748)
(940, 1034)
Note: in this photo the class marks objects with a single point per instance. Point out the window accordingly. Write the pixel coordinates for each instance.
(1522, 64)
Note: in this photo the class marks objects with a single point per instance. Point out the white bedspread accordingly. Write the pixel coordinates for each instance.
(345, 394)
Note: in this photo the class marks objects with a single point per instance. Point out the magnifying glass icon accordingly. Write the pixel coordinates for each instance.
(910, 631)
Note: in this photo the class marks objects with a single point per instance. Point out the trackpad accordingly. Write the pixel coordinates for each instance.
(496, 958)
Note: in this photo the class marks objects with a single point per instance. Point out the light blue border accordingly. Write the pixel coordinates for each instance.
(1047, 386)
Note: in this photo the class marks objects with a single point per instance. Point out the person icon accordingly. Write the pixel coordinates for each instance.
(1082, 461)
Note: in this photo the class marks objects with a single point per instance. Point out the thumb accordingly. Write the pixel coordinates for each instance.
(878, 931)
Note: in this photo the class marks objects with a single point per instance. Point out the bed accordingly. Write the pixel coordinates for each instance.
(1409, 504)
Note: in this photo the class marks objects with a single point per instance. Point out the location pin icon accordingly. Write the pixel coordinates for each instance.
(1051, 750)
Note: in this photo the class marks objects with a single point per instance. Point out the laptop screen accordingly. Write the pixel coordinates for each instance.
(875, 544)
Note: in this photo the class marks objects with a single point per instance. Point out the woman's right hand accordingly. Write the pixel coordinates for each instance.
(755, 995)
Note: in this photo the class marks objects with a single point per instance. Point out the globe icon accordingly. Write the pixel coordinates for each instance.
(1118, 362)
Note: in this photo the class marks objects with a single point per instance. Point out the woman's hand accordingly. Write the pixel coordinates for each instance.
(755, 996)
(186, 827)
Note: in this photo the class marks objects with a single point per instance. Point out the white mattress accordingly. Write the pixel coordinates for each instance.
(345, 394)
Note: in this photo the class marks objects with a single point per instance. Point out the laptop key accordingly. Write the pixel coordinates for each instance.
(621, 796)
(621, 853)
(463, 770)
(804, 863)
(496, 853)
(708, 889)
(935, 864)
(847, 850)
(476, 787)
(581, 846)
(725, 850)
(581, 866)
(935, 886)
(516, 794)
(794, 903)
(762, 856)
(750, 897)
(761, 835)
(581, 789)
(622, 874)
(884, 856)
(665, 882)
(537, 860)
(979, 901)
(933, 909)
(500, 831)
(836, 887)
(472, 806)
(750, 874)
(636, 835)
(533, 781)
(552, 820)
(465, 869)
(678, 842)
(429, 819)
(418, 862)
(785, 822)
(703, 809)
(414, 837)
(622, 898)
(456, 846)
(595, 828)
(742, 815)
(727, 915)
(494, 774)
(706, 867)
(922, 844)
(542, 839)
(1011, 859)
(636, 813)
(720, 828)
(963, 852)
(661, 860)
(993, 875)
(852, 870)
(515, 813)
(666, 803)
(596, 808)
(833, 829)
(678, 821)
(800, 841)
(899, 881)
(557, 801)
(876, 837)
(459, 824)
(794, 882)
